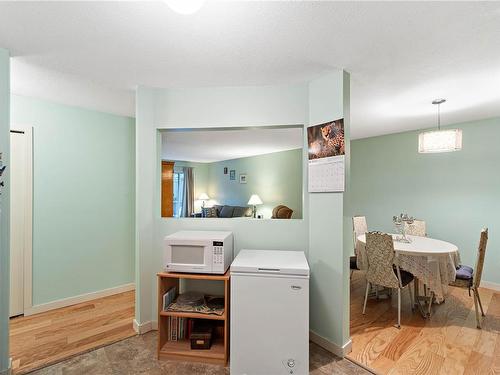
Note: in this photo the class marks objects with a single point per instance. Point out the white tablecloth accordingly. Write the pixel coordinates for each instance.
(432, 261)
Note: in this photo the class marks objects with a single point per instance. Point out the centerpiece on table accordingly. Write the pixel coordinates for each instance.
(401, 222)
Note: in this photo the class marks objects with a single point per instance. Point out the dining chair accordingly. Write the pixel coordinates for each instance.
(466, 278)
(417, 228)
(282, 212)
(383, 268)
(359, 227)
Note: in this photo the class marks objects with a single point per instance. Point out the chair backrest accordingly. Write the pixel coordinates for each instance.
(359, 225)
(481, 251)
(282, 212)
(417, 228)
(275, 211)
(381, 257)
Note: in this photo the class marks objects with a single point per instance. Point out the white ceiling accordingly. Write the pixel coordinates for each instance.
(207, 146)
(401, 55)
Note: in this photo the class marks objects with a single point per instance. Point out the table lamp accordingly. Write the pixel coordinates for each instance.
(203, 197)
(254, 201)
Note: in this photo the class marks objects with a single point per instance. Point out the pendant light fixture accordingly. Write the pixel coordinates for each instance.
(435, 141)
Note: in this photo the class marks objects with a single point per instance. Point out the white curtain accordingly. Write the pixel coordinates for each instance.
(188, 192)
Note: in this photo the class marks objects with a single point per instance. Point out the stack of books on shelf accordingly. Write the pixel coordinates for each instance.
(179, 328)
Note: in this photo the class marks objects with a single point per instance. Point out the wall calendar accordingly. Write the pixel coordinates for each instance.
(326, 154)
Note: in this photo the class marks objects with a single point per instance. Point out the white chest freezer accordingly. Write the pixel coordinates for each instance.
(269, 313)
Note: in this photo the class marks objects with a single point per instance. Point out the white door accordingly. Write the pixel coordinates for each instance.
(269, 325)
(18, 195)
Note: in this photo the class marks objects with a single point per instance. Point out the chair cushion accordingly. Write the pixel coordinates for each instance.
(226, 211)
(353, 262)
(406, 277)
(464, 272)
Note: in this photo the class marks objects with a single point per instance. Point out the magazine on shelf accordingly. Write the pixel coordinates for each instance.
(169, 297)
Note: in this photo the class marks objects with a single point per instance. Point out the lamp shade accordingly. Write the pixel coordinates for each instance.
(255, 200)
(440, 141)
(203, 197)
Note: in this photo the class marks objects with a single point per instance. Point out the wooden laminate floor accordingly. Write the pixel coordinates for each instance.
(42, 339)
(447, 343)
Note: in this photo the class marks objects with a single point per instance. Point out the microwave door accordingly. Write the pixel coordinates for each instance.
(189, 257)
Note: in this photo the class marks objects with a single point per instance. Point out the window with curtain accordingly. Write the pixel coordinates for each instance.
(178, 193)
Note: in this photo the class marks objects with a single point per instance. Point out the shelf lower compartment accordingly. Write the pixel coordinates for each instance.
(193, 315)
(181, 349)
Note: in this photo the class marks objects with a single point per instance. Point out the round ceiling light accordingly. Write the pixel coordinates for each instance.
(185, 6)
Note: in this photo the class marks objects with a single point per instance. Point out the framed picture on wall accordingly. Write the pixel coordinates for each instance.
(243, 178)
(232, 174)
(225, 170)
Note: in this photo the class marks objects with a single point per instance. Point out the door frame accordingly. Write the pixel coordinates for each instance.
(28, 215)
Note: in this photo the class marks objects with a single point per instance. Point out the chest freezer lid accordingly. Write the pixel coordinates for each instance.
(271, 262)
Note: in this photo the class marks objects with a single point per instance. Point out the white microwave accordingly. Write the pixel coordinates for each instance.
(198, 252)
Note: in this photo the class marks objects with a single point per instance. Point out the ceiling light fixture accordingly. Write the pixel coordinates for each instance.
(185, 6)
(435, 141)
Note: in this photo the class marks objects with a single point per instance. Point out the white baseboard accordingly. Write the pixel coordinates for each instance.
(78, 299)
(340, 351)
(142, 328)
(490, 285)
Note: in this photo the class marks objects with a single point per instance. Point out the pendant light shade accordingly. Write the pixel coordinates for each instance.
(440, 141)
(435, 141)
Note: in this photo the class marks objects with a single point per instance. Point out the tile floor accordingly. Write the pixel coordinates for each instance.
(136, 355)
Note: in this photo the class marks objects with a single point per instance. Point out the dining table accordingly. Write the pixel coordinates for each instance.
(432, 262)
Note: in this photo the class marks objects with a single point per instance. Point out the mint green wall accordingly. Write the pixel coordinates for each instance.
(322, 100)
(83, 198)
(275, 177)
(329, 287)
(4, 210)
(455, 193)
(347, 240)
(205, 108)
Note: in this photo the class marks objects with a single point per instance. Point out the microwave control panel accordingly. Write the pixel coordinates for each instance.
(218, 249)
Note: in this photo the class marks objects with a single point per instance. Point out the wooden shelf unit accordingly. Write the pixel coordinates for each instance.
(193, 315)
(181, 349)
